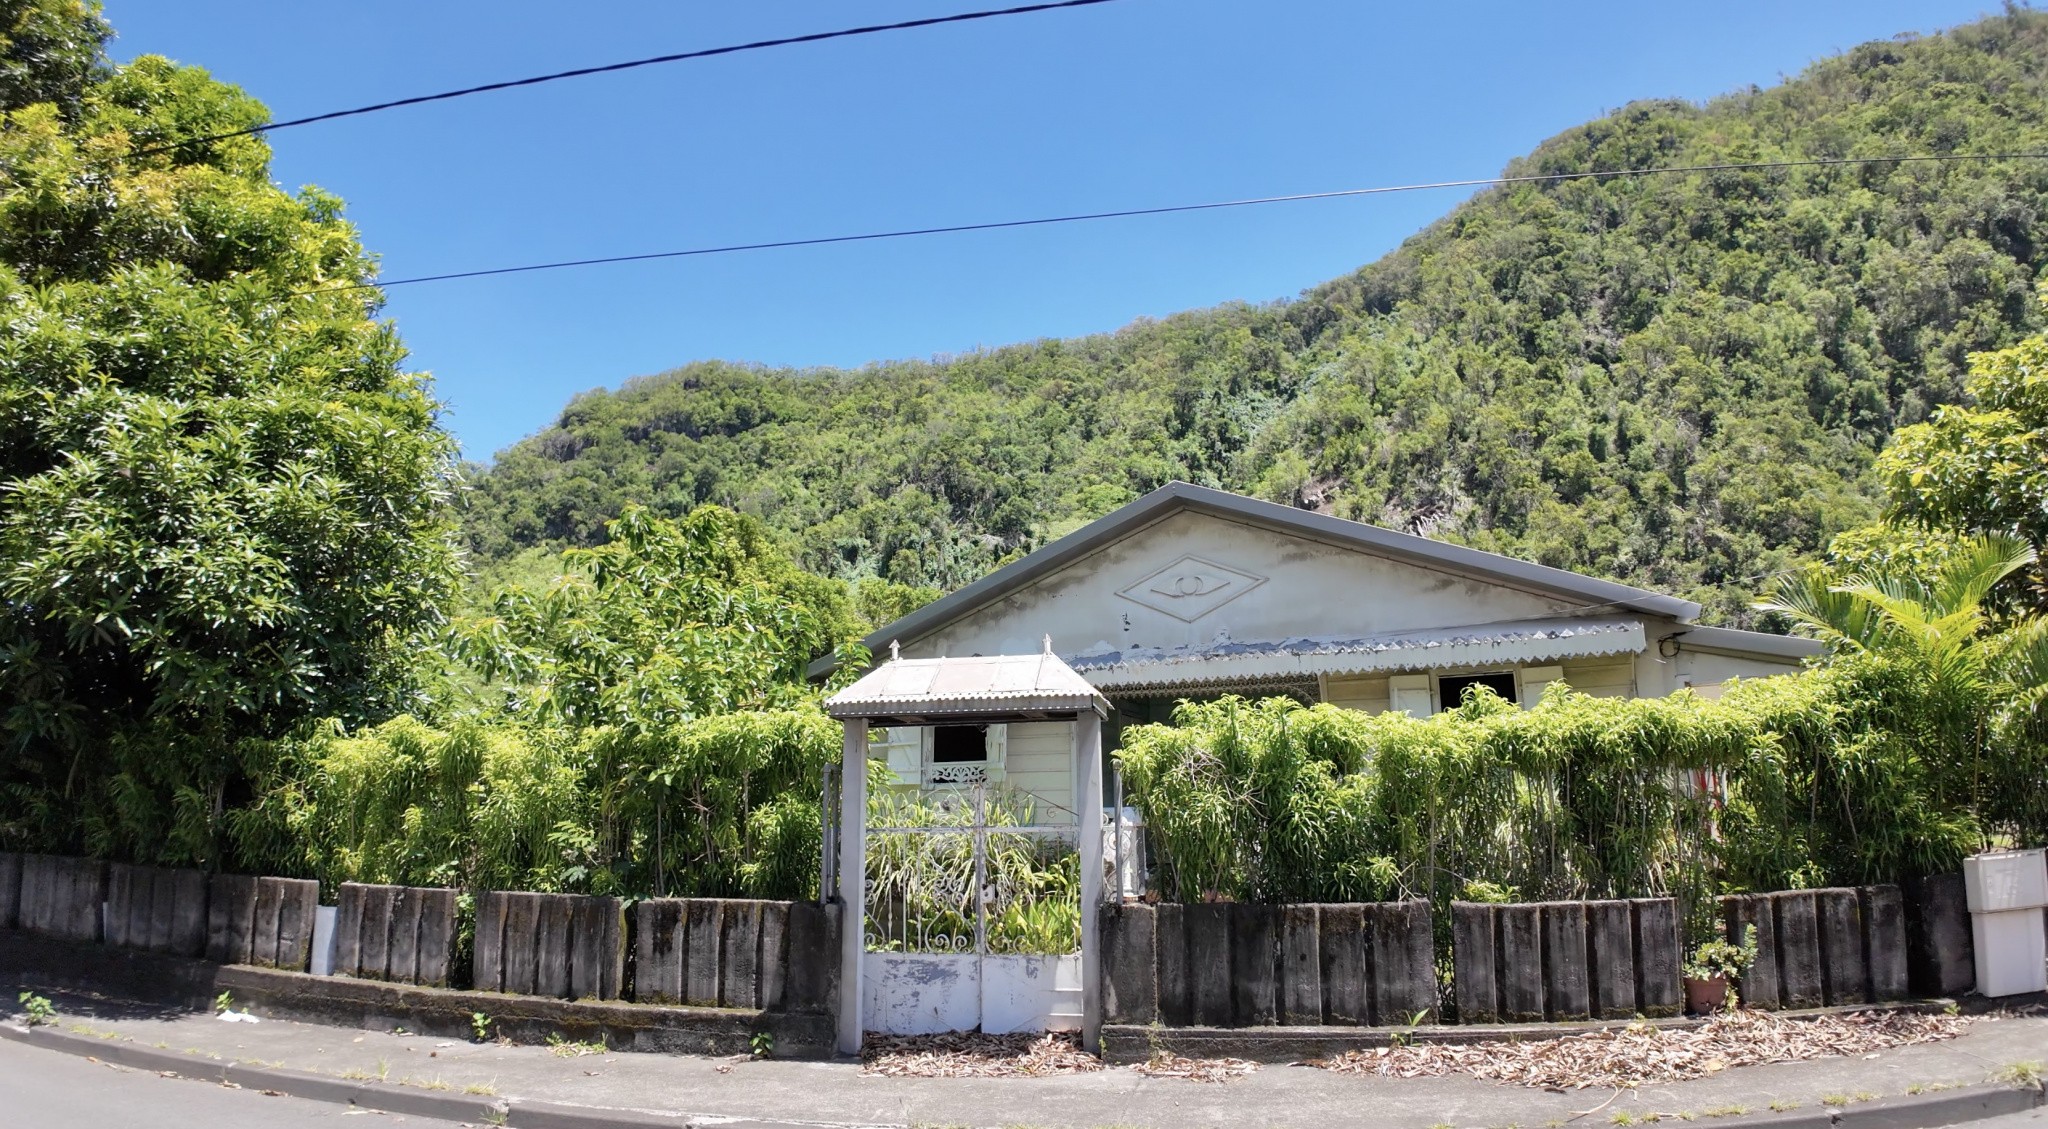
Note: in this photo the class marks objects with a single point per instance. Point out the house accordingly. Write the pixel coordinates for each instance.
(1191, 592)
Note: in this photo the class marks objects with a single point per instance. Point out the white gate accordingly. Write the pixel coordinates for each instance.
(973, 920)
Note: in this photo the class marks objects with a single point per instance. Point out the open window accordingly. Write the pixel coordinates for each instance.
(1452, 688)
(942, 754)
(960, 744)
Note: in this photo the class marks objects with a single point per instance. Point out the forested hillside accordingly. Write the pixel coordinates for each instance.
(1679, 381)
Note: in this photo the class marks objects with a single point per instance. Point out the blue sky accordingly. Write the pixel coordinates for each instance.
(1134, 103)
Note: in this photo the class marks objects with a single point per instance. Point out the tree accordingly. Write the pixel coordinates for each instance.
(222, 497)
(1961, 687)
(1982, 466)
(666, 622)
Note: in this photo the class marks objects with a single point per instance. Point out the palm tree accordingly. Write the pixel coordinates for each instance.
(1983, 682)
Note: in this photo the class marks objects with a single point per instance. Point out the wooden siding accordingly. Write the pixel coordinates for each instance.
(1040, 760)
(1603, 678)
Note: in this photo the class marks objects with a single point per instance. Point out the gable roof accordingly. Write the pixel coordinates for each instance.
(974, 685)
(1176, 497)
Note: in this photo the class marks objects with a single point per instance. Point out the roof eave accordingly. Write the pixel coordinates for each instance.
(1734, 641)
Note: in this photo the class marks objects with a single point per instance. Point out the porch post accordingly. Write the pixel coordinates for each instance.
(1088, 807)
(853, 869)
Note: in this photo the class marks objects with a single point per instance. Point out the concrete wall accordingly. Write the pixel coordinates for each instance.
(568, 946)
(1245, 965)
(403, 934)
(1941, 948)
(1705, 671)
(1562, 961)
(734, 952)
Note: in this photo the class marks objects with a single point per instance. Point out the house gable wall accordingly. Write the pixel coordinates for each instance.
(1192, 576)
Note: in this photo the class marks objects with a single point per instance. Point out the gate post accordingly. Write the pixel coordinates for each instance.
(853, 872)
(1088, 809)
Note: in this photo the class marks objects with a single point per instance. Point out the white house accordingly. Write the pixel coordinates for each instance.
(1190, 592)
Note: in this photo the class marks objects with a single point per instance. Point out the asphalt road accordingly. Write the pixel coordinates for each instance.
(2033, 1119)
(40, 1088)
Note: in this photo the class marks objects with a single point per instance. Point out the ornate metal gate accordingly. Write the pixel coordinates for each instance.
(973, 908)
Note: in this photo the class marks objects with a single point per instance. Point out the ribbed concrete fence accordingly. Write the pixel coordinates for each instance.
(401, 934)
(61, 897)
(569, 946)
(1248, 965)
(724, 952)
(1209, 966)
(1822, 947)
(1562, 961)
(157, 909)
(261, 921)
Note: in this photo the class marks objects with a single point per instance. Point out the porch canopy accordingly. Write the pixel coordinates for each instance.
(964, 691)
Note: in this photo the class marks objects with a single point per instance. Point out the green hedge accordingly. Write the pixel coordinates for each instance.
(1795, 781)
(717, 806)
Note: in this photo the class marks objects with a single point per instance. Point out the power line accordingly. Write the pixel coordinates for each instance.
(608, 68)
(1043, 221)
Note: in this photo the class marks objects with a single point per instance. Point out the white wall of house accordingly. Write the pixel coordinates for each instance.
(1194, 578)
(1035, 757)
(1286, 585)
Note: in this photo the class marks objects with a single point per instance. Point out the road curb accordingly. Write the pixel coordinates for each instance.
(388, 1097)
(1918, 1111)
(1959, 1106)
(366, 1093)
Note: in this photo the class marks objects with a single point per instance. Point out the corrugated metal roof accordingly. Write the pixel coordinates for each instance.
(1520, 641)
(970, 684)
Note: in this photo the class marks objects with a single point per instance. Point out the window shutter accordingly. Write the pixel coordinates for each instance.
(998, 744)
(1536, 679)
(903, 747)
(1409, 694)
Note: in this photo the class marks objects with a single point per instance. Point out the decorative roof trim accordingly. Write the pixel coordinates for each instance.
(1520, 642)
(1177, 496)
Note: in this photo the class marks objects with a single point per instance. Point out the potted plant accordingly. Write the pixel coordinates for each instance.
(1713, 965)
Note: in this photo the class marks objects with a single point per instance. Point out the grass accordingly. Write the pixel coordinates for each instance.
(2027, 1073)
(1834, 1101)
(566, 1048)
(481, 1089)
(1780, 1105)
(1727, 1111)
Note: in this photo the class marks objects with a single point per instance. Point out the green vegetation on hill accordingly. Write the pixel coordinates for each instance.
(1679, 381)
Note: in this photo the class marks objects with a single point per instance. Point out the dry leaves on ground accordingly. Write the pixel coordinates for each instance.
(1164, 1065)
(1640, 1053)
(974, 1055)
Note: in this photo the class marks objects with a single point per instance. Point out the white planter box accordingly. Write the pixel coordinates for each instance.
(2012, 952)
(2002, 880)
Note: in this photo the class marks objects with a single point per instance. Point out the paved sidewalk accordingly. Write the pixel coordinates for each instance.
(837, 1093)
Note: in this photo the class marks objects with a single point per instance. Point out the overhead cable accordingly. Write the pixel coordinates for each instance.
(1169, 209)
(608, 68)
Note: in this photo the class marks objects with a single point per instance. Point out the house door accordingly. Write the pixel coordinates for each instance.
(973, 911)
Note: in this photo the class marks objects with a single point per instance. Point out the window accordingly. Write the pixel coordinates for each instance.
(1451, 689)
(954, 744)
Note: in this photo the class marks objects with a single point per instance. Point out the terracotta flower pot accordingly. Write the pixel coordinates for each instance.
(1705, 997)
